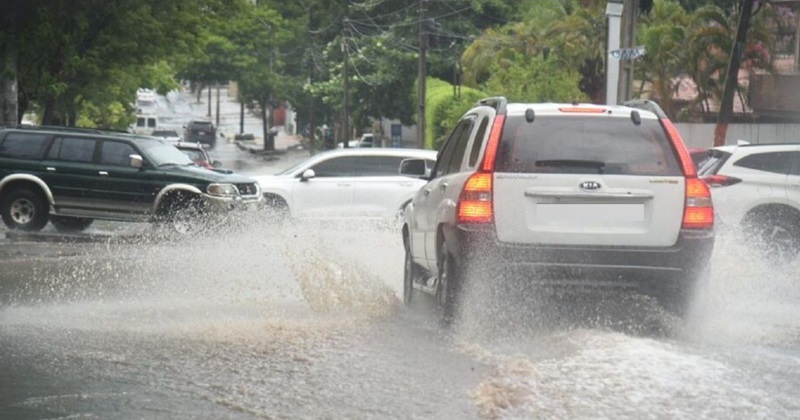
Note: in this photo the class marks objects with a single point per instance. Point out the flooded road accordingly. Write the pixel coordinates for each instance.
(306, 321)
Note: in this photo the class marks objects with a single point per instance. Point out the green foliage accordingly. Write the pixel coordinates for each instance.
(533, 79)
(115, 116)
(443, 109)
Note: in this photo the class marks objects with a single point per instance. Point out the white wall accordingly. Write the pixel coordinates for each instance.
(702, 135)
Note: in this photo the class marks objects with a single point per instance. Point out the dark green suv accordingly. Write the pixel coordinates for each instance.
(71, 177)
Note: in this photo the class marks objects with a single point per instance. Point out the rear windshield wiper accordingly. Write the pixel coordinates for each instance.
(561, 163)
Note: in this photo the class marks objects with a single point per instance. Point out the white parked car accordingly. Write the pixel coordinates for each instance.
(345, 184)
(757, 187)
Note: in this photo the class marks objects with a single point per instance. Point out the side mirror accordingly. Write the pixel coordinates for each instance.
(216, 164)
(136, 161)
(307, 174)
(414, 167)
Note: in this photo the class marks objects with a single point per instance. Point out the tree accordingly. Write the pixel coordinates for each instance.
(664, 34)
(70, 53)
(524, 78)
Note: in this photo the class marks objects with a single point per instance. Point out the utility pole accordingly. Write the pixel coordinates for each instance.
(629, 10)
(209, 100)
(346, 77)
(312, 129)
(422, 73)
(614, 10)
(217, 120)
(731, 77)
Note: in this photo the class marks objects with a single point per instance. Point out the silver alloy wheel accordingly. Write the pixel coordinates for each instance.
(780, 241)
(183, 221)
(22, 211)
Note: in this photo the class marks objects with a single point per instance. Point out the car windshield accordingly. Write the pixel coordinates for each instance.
(165, 133)
(161, 153)
(194, 154)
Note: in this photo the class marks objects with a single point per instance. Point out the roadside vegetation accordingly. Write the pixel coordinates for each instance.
(80, 62)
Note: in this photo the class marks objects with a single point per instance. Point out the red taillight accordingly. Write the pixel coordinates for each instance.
(494, 140)
(714, 181)
(687, 164)
(698, 212)
(475, 201)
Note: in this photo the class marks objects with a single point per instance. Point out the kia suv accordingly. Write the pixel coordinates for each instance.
(71, 177)
(568, 195)
(756, 187)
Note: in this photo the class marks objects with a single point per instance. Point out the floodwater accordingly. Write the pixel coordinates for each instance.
(306, 321)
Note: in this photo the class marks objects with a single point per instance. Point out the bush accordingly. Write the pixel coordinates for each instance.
(443, 109)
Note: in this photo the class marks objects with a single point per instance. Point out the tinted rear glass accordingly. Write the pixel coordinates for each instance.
(23, 145)
(585, 145)
(775, 162)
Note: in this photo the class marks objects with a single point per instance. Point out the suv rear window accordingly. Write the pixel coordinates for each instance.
(23, 145)
(585, 145)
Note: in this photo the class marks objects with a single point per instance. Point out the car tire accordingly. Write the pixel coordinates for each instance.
(24, 209)
(70, 224)
(678, 298)
(777, 234)
(410, 273)
(448, 286)
(183, 214)
(276, 208)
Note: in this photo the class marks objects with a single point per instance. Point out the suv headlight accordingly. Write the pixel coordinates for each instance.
(223, 190)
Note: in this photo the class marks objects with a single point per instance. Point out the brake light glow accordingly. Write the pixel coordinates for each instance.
(475, 201)
(583, 110)
(715, 181)
(494, 140)
(685, 157)
(698, 212)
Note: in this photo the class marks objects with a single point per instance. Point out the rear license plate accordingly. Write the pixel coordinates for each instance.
(590, 213)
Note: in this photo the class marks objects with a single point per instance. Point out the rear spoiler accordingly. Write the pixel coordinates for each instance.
(646, 105)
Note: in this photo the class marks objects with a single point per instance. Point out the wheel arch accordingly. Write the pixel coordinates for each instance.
(173, 190)
(771, 209)
(21, 180)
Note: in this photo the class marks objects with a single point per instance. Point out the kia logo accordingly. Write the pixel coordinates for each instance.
(590, 185)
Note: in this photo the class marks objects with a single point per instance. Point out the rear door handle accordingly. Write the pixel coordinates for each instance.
(51, 169)
(443, 186)
(343, 184)
(104, 173)
(426, 191)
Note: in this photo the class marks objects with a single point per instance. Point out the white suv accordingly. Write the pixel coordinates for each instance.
(757, 187)
(559, 194)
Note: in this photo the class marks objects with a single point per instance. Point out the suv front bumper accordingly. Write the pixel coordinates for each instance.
(217, 204)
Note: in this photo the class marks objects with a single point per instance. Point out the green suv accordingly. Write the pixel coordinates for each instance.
(71, 177)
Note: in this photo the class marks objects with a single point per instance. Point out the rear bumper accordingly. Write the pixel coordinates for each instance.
(583, 265)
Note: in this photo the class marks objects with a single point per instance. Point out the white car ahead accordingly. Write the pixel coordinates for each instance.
(346, 184)
(757, 187)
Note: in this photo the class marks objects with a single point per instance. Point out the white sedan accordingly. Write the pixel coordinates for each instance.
(346, 183)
